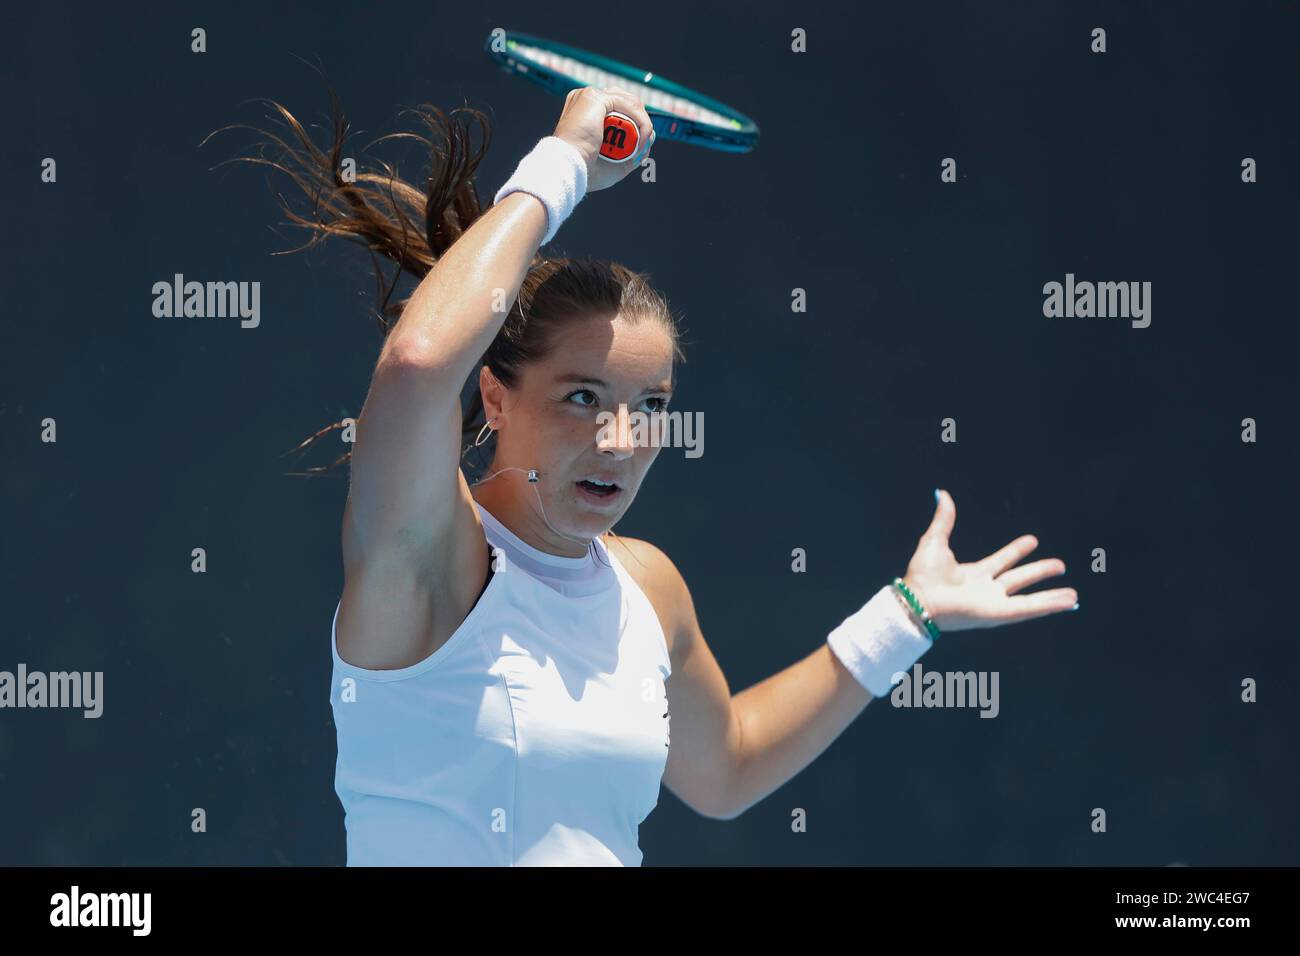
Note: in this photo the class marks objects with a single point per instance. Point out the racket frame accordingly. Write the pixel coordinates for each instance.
(738, 138)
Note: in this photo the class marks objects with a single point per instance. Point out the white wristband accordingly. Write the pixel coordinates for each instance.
(556, 174)
(878, 641)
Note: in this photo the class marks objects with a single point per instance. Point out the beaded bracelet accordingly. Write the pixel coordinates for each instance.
(931, 628)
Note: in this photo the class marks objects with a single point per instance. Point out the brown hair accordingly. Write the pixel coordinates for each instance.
(413, 227)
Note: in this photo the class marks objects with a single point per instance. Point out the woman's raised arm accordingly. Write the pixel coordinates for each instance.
(413, 550)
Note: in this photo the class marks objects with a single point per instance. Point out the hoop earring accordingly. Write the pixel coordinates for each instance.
(487, 427)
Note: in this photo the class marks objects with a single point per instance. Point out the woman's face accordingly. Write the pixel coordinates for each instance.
(552, 421)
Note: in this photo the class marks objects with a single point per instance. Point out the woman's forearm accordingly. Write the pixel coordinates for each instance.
(787, 720)
(461, 304)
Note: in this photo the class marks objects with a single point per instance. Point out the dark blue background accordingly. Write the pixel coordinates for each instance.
(822, 428)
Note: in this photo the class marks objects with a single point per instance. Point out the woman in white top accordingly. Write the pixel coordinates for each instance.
(502, 662)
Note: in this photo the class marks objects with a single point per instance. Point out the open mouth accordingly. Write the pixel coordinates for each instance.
(599, 490)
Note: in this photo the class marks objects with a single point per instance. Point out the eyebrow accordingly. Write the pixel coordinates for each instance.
(577, 378)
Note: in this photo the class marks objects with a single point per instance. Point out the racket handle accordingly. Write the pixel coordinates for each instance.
(621, 139)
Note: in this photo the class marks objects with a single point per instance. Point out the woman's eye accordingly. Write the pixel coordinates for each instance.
(656, 404)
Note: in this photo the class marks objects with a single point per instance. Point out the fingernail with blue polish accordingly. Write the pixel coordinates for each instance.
(1076, 606)
(936, 495)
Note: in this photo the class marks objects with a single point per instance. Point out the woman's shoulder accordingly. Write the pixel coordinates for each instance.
(656, 575)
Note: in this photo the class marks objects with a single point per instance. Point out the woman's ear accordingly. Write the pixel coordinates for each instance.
(491, 391)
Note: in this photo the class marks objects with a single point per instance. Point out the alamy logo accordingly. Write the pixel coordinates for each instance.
(653, 429)
(58, 689)
(1125, 300)
(102, 909)
(219, 300)
(946, 689)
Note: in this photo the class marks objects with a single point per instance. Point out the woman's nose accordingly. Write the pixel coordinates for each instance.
(616, 435)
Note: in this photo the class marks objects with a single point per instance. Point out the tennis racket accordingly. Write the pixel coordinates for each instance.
(677, 113)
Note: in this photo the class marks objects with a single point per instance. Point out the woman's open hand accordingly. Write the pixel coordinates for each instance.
(964, 596)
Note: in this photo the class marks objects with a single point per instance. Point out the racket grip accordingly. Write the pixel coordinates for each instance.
(621, 139)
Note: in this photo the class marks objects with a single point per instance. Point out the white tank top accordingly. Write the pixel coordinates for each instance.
(535, 736)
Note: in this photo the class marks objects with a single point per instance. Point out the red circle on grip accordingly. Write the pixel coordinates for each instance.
(621, 138)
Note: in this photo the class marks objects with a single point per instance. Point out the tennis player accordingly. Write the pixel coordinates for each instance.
(512, 682)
